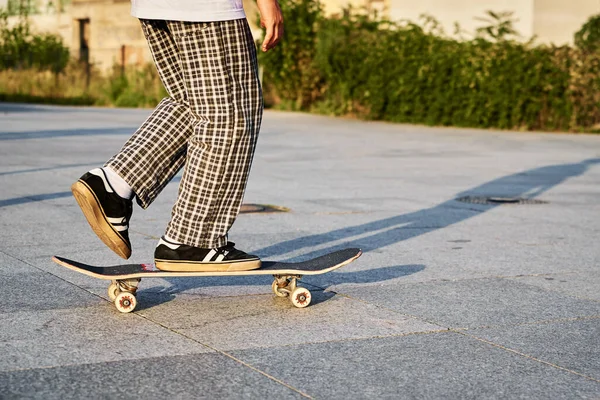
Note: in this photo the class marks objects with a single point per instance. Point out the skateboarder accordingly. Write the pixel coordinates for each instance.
(206, 58)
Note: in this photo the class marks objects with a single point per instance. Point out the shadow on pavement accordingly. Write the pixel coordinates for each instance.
(42, 169)
(148, 300)
(23, 108)
(55, 133)
(384, 232)
(379, 233)
(156, 296)
(34, 198)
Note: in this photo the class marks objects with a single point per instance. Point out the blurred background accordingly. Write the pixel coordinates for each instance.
(506, 64)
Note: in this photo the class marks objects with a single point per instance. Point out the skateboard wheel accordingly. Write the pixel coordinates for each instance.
(275, 288)
(125, 302)
(300, 297)
(113, 291)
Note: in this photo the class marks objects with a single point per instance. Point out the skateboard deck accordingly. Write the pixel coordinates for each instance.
(125, 278)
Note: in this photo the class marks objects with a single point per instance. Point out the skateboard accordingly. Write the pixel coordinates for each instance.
(125, 278)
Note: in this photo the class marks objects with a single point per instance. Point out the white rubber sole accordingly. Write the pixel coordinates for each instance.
(97, 219)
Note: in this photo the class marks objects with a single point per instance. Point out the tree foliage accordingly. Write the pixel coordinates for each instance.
(23, 49)
(588, 37)
(354, 64)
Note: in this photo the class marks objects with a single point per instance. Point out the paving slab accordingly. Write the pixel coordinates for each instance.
(31, 207)
(432, 366)
(493, 244)
(10, 266)
(38, 291)
(50, 338)
(390, 189)
(199, 376)
(579, 284)
(266, 321)
(477, 302)
(574, 344)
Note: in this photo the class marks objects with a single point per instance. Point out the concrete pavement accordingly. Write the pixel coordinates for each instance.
(450, 299)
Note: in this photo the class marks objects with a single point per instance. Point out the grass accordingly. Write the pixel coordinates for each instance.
(134, 87)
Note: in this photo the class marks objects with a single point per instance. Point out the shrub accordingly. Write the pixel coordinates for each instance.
(354, 64)
(137, 87)
(588, 37)
(290, 70)
(22, 49)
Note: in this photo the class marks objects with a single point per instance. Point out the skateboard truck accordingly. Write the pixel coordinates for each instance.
(122, 292)
(287, 286)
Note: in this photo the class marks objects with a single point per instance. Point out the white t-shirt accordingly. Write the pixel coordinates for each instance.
(188, 10)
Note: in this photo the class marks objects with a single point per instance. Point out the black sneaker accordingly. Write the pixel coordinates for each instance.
(107, 213)
(180, 257)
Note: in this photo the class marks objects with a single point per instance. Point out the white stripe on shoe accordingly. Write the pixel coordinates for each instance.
(119, 224)
(113, 220)
(170, 245)
(210, 255)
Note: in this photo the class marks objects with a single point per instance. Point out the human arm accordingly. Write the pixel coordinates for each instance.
(272, 20)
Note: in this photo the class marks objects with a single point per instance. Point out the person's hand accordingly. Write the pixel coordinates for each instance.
(272, 20)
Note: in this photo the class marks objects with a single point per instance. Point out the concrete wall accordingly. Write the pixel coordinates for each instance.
(58, 24)
(464, 12)
(332, 7)
(557, 20)
(110, 27)
(551, 20)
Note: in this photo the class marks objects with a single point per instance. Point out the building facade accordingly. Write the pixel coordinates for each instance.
(103, 32)
(550, 21)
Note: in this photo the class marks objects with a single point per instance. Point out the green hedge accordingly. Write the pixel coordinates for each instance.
(22, 49)
(355, 65)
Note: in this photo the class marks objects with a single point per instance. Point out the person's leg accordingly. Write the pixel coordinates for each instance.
(213, 116)
(149, 159)
(221, 73)
(157, 150)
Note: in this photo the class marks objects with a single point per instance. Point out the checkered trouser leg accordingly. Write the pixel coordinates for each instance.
(209, 124)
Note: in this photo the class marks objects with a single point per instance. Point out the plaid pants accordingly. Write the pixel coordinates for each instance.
(209, 124)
